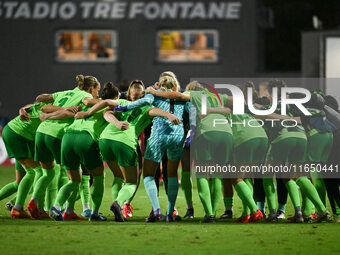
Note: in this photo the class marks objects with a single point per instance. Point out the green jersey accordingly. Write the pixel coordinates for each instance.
(310, 129)
(56, 128)
(277, 132)
(27, 129)
(94, 124)
(138, 119)
(213, 121)
(245, 127)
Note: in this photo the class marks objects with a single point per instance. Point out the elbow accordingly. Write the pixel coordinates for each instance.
(107, 114)
(44, 109)
(39, 98)
(149, 112)
(86, 101)
(107, 102)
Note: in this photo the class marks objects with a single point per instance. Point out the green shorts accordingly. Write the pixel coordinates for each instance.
(47, 148)
(288, 150)
(79, 147)
(319, 147)
(251, 151)
(17, 146)
(213, 146)
(19, 167)
(112, 150)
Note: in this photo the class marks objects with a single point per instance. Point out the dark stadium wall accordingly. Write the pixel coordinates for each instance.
(28, 53)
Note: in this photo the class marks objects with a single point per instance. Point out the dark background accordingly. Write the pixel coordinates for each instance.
(267, 41)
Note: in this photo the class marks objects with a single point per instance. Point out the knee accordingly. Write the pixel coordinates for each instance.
(235, 181)
(49, 174)
(48, 165)
(30, 172)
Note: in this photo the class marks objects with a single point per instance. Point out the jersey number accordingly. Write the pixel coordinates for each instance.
(62, 101)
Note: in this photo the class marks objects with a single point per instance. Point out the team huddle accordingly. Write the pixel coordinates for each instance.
(61, 141)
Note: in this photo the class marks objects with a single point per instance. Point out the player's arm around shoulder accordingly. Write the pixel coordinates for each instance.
(64, 113)
(111, 118)
(154, 111)
(168, 94)
(100, 105)
(45, 98)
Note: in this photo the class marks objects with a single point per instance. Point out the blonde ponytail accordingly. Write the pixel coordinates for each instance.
(80, 79)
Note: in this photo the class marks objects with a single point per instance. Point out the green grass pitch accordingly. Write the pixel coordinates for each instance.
(137, 237)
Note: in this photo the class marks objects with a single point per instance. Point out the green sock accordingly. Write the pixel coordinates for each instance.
(63, 178)
(38, 174)
(126, 193)
(8, 190)
(307, 205)
(66, 191)
(244, 193)
(216, 194)
(228, 202)
(25, 186)
(172, 194)
(134, 193)
(116, 186)
(321, 188)
(293, 193)
(72, 200)
(337, 209)
(246, 210)
(309, 190)
(84, 190)
(52, 189)
(204, 194)
(249, 184)
(186, 184)
(97, 192)
(269, 189)
(41, 186)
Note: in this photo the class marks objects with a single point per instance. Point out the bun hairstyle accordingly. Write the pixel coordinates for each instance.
(276, 84)
(172, 75)
(244, 88)
(194, 86)
(86, 82)
(135, 85)
(110, 91)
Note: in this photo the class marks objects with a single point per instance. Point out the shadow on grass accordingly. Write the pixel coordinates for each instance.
(135, 221)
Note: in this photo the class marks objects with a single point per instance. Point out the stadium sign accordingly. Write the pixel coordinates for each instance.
(150, 10)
